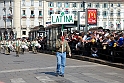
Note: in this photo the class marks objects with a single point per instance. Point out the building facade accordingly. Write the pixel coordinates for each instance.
(18, 17)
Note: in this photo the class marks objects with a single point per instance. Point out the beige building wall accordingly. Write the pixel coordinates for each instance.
(19, 22)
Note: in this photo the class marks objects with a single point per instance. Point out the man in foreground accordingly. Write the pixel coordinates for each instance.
(62, 47)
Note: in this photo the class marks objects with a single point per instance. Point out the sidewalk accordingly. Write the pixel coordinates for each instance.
(95, 60)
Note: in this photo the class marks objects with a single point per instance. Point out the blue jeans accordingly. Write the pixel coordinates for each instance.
(61, 60)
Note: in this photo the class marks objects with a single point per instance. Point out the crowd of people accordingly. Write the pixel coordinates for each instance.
(19, 46)
(97, 42)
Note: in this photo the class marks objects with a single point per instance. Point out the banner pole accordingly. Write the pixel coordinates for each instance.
(62, 36)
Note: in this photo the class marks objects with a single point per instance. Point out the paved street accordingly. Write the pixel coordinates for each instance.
(40, 68)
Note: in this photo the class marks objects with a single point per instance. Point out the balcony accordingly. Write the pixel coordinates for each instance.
(32, 16)
(104, 17)
(31, 27)
(9, 16)
(4, 17)
(118, 17)
(24, 27)
(23, 16)
(40, 16)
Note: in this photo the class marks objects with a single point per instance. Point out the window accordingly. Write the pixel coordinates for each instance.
(105, 5)
(111, 24)
(59, 12)
(50, 12)
(10, 3)
(81, 5)
(32, 2)
(23, 32)
(23, 12)
(97, 5)
(111, 13)
(40, 13)
(40, 2)
(32, 12)
(50, 4)
(118, 24)
(4, 3)
(67, 5)
(58, 4)
(89, 5)
(118, 13)
(98, 13)
(104, 13)
(118, 5)
(74, 12)
(74, 4)
(23, 2)
(111, 4)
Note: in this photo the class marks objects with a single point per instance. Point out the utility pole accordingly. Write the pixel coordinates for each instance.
(84, 9)
(5, 17)
(84, 5)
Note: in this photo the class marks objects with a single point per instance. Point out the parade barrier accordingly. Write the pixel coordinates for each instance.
(89, 58)
(112, 56)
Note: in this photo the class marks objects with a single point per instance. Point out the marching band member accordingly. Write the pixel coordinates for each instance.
(2, 46)
(23, 46)
(34, 49)
(10, 45)
(28, 44)
(14, 45)
(35, 46)
(7, 49)
(18, 44)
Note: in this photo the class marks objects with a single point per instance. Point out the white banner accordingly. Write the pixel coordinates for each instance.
(82, 18)
(62, 18)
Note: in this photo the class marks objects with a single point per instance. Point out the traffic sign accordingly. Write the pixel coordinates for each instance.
(62, 18)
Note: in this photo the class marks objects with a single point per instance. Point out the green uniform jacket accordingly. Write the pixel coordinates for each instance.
(66, 47)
